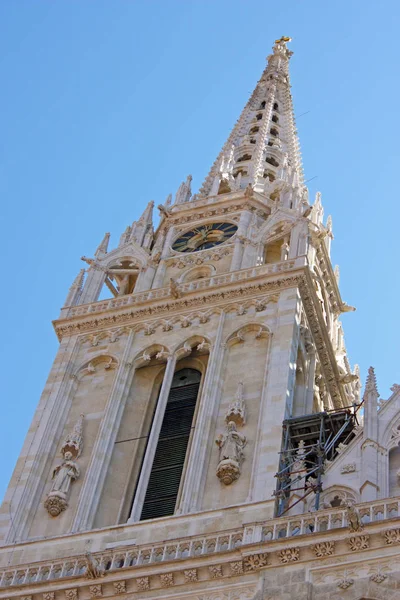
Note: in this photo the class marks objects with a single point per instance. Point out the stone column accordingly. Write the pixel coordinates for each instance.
(145, 279)
(369, 477)
(152, 441)
(158, 280)
(103, 448)
(200, 447)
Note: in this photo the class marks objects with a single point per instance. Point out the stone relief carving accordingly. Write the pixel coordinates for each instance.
(119, 587)
(167, 580)
(255, 561)
(71, 594)
(288, 555)
(360, 542)
(96, 591)
(190, 575)
(392, 536)
(215, 571)
(65, 473)
(237, 409)
(231, 455)
(378, 577)
(236, 567)
(143, 584)
(324, 549)
(345, 583)
(350, 468)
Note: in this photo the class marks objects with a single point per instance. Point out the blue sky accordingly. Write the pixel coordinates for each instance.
(106, 105)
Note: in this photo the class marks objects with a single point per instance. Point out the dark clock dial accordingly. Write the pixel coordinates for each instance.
(205, 236)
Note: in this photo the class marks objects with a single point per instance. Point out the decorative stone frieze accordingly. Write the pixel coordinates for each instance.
(360, 542)
(255, 561)
(167, 580)
(71, 594)
(324, 549)
(143, 584)
(392, 536)
(215, 571)
(119, 587)
(288, 555)
(236, 567)
(190, 575)
(48, 596)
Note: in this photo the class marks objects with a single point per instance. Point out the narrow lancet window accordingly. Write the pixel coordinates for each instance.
(166, 472)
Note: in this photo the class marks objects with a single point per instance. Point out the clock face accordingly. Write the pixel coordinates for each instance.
(205, 236)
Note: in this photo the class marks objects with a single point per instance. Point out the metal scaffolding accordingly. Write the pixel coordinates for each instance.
(308, 442)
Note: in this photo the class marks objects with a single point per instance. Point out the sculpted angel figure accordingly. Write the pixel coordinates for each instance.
(64, 474)
(231, 444)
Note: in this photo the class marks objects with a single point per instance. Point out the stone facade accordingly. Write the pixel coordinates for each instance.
(236, 285)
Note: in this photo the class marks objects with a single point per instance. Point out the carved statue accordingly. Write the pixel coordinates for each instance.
(237, 409)
(92, 569)
(353, 518)
(230, 454)
(65, 473)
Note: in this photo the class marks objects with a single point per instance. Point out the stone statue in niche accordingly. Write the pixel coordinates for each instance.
(231, 454)
(65, 473)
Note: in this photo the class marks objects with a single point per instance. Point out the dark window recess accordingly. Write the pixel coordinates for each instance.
(166, 472)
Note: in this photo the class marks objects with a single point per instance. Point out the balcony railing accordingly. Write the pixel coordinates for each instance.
(199, 284)
(274, 530)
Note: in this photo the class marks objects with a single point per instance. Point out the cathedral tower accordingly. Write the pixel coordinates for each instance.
(199, 411)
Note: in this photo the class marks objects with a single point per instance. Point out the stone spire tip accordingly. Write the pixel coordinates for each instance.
(370, 384)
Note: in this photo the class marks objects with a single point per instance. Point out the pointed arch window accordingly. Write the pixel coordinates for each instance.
(276, 106)
(166, 471)
(262, 105)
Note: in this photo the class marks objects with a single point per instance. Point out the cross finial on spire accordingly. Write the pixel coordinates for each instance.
(283, 40)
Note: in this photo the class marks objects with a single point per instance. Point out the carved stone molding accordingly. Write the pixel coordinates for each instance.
(288, 555)
(324, 549)
(359, 542)
(350, 468)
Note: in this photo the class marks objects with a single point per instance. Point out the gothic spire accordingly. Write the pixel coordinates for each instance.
(262, 149)
(75, 289)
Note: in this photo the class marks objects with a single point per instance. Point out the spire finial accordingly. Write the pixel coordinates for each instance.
(283, 40)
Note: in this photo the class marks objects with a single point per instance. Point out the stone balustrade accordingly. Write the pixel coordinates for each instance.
(199, 284)
(274, 530)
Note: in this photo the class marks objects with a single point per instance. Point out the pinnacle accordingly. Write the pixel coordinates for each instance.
(370, 384)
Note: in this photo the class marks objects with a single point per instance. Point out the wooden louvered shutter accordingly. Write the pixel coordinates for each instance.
(166, 472)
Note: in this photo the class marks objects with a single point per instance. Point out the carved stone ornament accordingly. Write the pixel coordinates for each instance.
(345, 583)
(143, 584)
(255, 561)
(378, 577)
(71, 594)
(392, 536)
(231, 456)
(353, 518)
(167, 580)
(360, 542)
(96, 591)
(289, 555)
(65, 473)
(215, 571)
(324, 549)
(48, 596)
(237, 409)
(119, 587)
(236, 567)
(190, 575)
